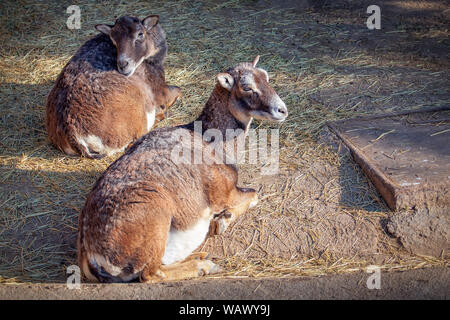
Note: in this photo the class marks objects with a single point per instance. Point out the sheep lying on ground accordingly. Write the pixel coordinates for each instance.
(112, 91)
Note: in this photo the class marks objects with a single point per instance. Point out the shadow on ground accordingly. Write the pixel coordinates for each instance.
(39, 216)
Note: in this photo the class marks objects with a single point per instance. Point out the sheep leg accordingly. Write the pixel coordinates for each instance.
(242, 200)
(197, 255)
(192, 268)
(173, 93)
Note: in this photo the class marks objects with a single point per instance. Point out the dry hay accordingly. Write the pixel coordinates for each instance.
(319, 62)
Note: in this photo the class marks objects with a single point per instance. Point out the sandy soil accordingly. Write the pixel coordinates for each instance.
(432, 283)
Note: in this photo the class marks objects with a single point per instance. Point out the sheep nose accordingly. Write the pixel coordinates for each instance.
(282, 110)
(123, 64)
(279, 110)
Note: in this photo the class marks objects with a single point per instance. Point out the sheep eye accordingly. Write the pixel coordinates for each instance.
(140, 35)
(247, 89)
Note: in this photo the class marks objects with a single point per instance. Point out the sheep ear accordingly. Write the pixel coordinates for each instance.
(225, 80)
(255, 61)
(104, 28)
(150, 21)
(265, 73)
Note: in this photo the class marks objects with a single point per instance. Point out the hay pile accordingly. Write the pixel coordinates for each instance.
(320, 63)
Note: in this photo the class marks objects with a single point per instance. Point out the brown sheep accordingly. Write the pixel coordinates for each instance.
(149, 211)
(112, 91)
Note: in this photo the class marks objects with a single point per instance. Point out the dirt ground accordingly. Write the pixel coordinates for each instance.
(431, 283)
(320, 215)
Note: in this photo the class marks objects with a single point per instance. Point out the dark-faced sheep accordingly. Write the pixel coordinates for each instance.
(149, 211)
(112, 91)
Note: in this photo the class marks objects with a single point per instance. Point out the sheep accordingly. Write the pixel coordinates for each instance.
(149, 210)
(112, 91)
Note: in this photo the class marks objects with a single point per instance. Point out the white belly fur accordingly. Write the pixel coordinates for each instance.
(181, 243)
(150, 119)
(94, 143)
